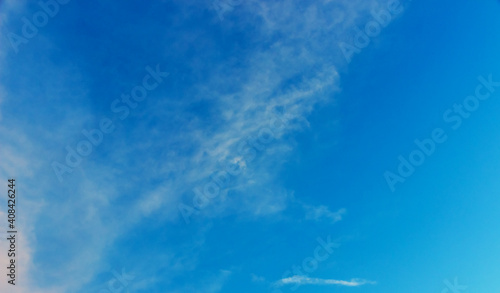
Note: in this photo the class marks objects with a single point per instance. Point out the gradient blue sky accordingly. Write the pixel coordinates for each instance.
(322, 176)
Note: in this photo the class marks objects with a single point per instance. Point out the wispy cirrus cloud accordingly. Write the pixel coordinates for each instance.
(149, 166)
(322, 212)
(302, 280)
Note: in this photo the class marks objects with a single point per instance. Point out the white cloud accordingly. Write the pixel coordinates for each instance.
(257, 279)
(322, 212)
(308, 51)
(87, 217)
(302, 280)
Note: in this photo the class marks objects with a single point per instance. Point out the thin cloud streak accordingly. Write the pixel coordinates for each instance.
(302, 280)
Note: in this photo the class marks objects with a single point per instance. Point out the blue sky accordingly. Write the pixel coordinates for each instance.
(255, 155)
